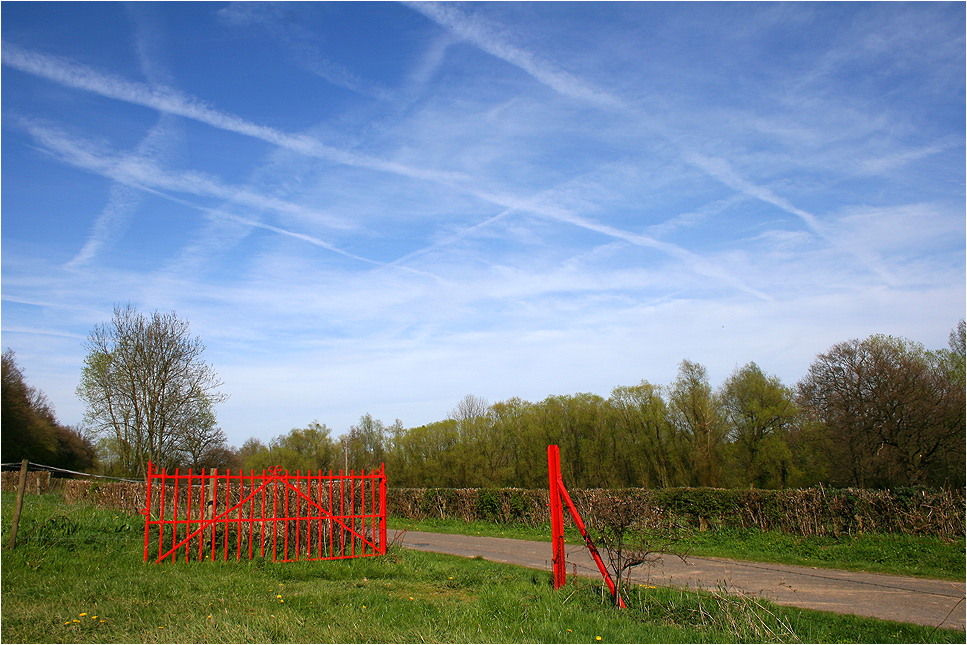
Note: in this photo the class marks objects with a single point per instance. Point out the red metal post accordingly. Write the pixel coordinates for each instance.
(557, 516)
(188, 512)
(251, 513)
(174, 517)
(238, 524)
(228, 505)
(147, 511)
(202, 505)
(161, 512)
(319, 540)
(332, 550)
(382, 510)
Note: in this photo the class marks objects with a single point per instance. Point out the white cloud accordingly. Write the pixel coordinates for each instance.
(487, 36)
(164, 99)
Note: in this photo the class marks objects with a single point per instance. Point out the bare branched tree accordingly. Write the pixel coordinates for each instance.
(631, 532)
(146, 386)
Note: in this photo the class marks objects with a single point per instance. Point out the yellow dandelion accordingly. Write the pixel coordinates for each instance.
(67, 622)
(569, 630)
(597, 638)
(451, 577)
(84, 614)
(411, 597)
(279, 596)
(102, 621)
(76, 621)
(364, 606)
(93, 617)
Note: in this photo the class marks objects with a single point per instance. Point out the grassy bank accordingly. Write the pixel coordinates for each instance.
(78, 576)
(903, 555)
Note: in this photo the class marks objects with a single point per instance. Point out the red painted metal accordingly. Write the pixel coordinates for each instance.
(283, 516)
(558, 493)
(557, 517)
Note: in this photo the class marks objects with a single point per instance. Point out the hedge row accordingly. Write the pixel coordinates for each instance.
(814, 511)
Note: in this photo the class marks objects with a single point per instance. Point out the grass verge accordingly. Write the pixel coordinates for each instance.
(77, 576)
(902, 555)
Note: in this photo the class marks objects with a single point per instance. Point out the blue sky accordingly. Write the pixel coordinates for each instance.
(380, 208)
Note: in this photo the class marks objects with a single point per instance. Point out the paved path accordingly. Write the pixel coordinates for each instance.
(911, 600)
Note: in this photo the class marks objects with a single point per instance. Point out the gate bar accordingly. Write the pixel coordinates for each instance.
(557, 524)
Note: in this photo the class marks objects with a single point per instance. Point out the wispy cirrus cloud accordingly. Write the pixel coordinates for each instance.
(721, 170)
(123, 200)
(487, 36)
(144, 173)
(165, 99)
(301, 45)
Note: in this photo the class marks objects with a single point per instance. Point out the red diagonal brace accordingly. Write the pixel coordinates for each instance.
(559, 492)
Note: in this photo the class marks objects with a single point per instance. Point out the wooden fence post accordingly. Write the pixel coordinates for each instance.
(20, 503)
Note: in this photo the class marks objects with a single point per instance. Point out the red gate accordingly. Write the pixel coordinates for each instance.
(286, 517)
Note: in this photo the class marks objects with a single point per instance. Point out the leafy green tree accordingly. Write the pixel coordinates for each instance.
(646, 446)
(426, 456)
(482, 453)
(575, 422)
(698, 416)
(512, 423)
(894, 412)
(364, 446)
(759, 409)
(29, 428)
(301, 449)
(249, 455)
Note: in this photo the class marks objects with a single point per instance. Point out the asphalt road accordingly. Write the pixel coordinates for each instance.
(911, 600)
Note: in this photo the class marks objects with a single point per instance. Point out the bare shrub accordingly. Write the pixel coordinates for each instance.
(631, 532)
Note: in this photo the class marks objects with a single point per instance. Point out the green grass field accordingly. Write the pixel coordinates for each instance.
(77, 575)
(902, 555)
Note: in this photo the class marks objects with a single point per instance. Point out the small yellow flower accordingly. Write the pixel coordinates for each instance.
(597, 638)
(93, 617)
(569, 630)
(451, 577)
(67, 623)
(364, 606)
(279, 596)
(84, 614)
(102, 621)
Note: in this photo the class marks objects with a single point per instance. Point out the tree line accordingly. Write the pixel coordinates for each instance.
(30, 429)
(872, 413)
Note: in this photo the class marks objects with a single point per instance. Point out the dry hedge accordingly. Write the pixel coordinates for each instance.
(813, 511)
